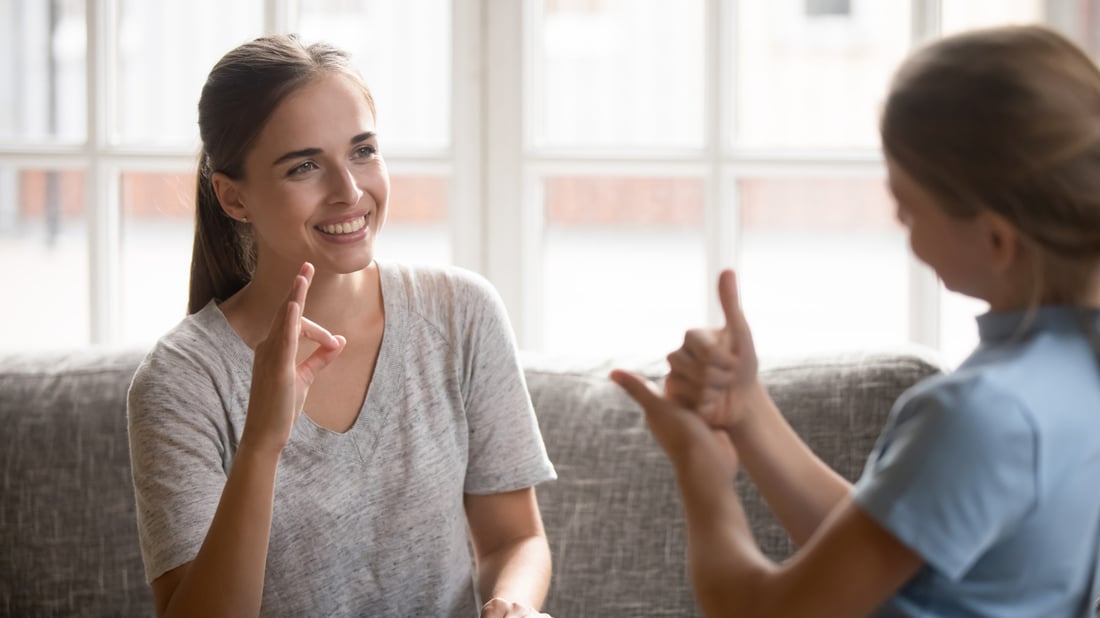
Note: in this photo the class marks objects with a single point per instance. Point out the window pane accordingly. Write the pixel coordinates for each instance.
(624, 264)
(809, 79)
(958, 328)
(403, 50)
(158, 211)
(416, 226)
(619, 73)
(824, 265)
(165, 50)
(1077, 19)
(42, 71)
(43, 232)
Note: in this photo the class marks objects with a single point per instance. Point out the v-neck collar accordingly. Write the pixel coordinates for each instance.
(359, 440)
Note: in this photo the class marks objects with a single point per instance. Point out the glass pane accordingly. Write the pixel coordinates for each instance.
(165, 50)
(966, 14)
(42, 71)
(416, 228)
(403, 50)
(619, 73)
(158, 211)
(624, 265)
(1077, 19)
(44, 235)
(808, 78)
(958, 328)
(824, 265)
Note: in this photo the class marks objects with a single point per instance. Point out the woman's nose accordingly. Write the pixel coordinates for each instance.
(345, 189)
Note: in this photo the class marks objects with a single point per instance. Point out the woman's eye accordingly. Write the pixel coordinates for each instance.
(363, 152)
(302, 168)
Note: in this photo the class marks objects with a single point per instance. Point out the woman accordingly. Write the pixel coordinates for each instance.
(280, 469)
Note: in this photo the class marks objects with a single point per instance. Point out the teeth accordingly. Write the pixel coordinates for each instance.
(344, 228)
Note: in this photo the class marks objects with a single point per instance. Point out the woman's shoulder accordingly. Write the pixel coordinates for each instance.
(430, 287)
(197, 344)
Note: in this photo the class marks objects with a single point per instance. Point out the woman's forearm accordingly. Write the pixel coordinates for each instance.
(518, 572)
(227, 576)
(798, 487)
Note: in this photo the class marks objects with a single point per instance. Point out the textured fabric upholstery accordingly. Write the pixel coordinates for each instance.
(68, 539)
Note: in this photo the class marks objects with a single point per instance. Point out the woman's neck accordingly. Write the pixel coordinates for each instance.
(340, 302)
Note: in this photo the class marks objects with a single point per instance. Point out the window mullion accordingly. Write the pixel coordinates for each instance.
(925, 307)
(102, 185)
(513, 241)
(720, 207)
(467, 144)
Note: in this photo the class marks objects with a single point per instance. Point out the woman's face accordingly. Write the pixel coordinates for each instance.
(315, 185)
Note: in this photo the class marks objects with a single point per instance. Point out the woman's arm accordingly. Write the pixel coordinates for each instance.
(227, 575)
(849, 567)
(716, 373)
(513, 557)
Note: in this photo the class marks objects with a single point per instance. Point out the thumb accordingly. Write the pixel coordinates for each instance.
(641, 390)
(731, 302)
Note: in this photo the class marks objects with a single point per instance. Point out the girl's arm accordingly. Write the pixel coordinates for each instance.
(848, 567)
(226, 578)
(716, 373)
(513, 557)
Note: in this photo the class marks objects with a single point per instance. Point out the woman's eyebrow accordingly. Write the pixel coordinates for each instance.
(296, 154)
(309, 152)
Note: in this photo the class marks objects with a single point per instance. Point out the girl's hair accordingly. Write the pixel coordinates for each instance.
(1008, 119)
(240, 94)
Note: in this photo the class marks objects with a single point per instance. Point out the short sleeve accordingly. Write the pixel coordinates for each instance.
(177, 454)
(954, 470)
(506, 451)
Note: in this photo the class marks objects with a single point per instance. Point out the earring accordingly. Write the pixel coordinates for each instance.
(244, 219)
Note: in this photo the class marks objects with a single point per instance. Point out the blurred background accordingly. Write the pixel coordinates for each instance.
(600, 161)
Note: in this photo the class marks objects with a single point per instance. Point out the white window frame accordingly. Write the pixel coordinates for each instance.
(495, 221)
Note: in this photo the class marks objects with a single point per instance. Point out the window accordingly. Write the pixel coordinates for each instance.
(598, 160)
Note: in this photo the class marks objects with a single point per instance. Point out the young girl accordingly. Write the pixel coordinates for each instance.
(981, 496)
(283, 470)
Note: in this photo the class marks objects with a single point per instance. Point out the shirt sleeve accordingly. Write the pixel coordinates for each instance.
(177, 457)
(506, 451)
(953, 472)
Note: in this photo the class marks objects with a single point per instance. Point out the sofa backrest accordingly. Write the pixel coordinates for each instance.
(68, 537)
(67, 528)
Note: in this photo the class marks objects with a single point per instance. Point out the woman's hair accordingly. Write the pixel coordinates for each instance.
(240, 94)
(1008, 119)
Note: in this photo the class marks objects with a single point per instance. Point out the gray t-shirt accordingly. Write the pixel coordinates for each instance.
(369, 522)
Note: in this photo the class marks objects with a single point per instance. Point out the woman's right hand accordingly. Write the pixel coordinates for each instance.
(279, 382)
(715, 371)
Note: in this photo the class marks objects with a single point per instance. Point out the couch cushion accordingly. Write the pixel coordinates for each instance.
(613, 517)
(67, 524)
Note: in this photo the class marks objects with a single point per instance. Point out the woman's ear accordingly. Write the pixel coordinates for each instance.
(229, 196)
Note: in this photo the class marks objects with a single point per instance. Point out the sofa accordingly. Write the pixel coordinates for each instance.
(68, 538)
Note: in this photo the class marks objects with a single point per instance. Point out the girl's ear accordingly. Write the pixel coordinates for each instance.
(1003, 240)
(229, 196)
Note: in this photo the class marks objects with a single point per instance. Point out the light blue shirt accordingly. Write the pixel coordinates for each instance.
(992, 474)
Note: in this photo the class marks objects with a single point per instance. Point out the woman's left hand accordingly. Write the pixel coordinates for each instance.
(501, 608)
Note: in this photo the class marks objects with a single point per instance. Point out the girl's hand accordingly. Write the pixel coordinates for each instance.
(702, 454)
(715, 370)
(279, 383)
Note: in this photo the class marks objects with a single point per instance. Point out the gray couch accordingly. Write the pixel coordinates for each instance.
(68, 541)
